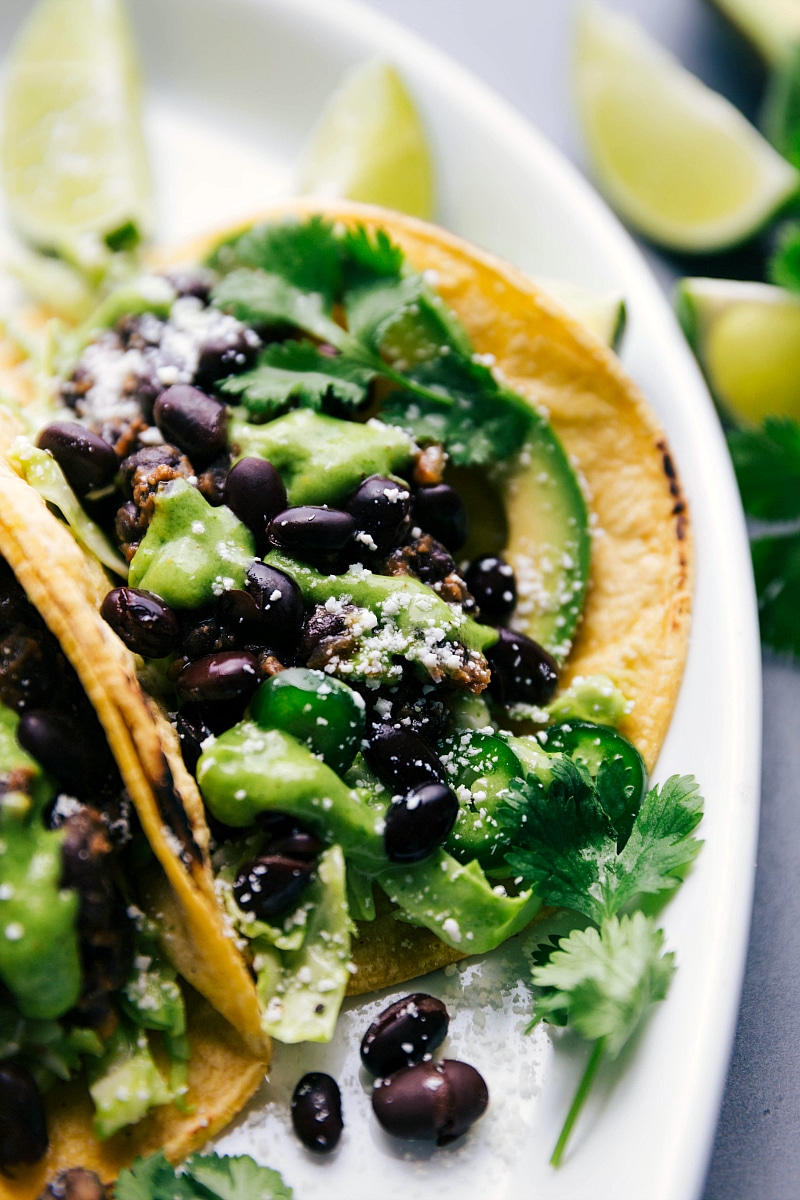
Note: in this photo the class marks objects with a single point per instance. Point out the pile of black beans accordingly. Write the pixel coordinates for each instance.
(414, 1097)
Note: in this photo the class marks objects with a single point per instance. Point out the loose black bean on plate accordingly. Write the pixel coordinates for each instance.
(193, 730)
(431, 1101)
(317, 1112)
(88, 462)
(23, 1128)
(417, 823)
(380, 507)
(254, 491)
(142, 620)
(404, 1033)
(196, 423)
(440, 511)
(271, 885)
(491, 581)
(401, 757)
(522, 670)
(311, 529)
(228, 675)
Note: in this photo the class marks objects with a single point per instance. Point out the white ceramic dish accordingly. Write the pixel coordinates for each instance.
(234, 87)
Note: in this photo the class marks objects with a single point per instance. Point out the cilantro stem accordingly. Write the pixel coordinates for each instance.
(577, 1104)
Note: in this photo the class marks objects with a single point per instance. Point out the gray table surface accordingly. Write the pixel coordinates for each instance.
(521, 48)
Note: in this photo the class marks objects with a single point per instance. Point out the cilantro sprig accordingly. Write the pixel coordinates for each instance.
(600, 980)
(201, 1177)
(767, 465)
(353, 291)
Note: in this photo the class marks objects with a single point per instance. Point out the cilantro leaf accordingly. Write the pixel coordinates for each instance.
(235, 1178)
(297, 373)
(304, 254)
(776, 563)
(154, 1178)
(366, 259)
(603, 981)
(202, 1177)
(783, 267)
(262, 299)
(565, 840)
(767, 465)
(661, 845)
(566, 846)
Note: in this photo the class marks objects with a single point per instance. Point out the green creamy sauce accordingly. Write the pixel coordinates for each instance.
(249, 770)
(39, 956)
(321, 459)
(191, 553)
(400, 617)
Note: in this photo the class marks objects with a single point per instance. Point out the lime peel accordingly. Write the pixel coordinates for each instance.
(676, 159)
(72, 154)
(369, 144)
(747, 339)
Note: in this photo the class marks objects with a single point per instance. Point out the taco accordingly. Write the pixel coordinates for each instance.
(303, 415)
(104, 1053)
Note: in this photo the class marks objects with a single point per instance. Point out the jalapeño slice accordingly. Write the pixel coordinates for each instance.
(603, 751)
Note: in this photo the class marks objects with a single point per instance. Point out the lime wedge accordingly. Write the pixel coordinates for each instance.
(369, 144)
(773, 26)
(72, 151)
(603, 313)
(747, 339)
(676, 159)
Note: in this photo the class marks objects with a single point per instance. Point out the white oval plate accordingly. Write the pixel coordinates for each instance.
(235, 86)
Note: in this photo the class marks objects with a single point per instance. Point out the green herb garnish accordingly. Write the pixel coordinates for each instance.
(201, 1177)
(308, 278)
(767, 465)
(601, 980)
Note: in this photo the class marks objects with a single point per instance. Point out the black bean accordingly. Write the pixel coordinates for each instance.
(192, 281)
(75, 1184)
(23, 1128)
(300, 843)
(417, 823)
(193, 730)
(196, 423)
(254, 491)
(404, 1033)
(439, 510)
(228, 675)
(311, 529)
(280, 604)
(271, 885)
(380, 507)
(87, 461)
(317, 1112)
(522, 670)
(144, 622)
(493, 584)
(431, 1101)
(402, 758)
(72, 754)
(208, 635)
(228, 354)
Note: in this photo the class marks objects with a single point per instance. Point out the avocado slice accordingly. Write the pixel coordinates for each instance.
(548, 542)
